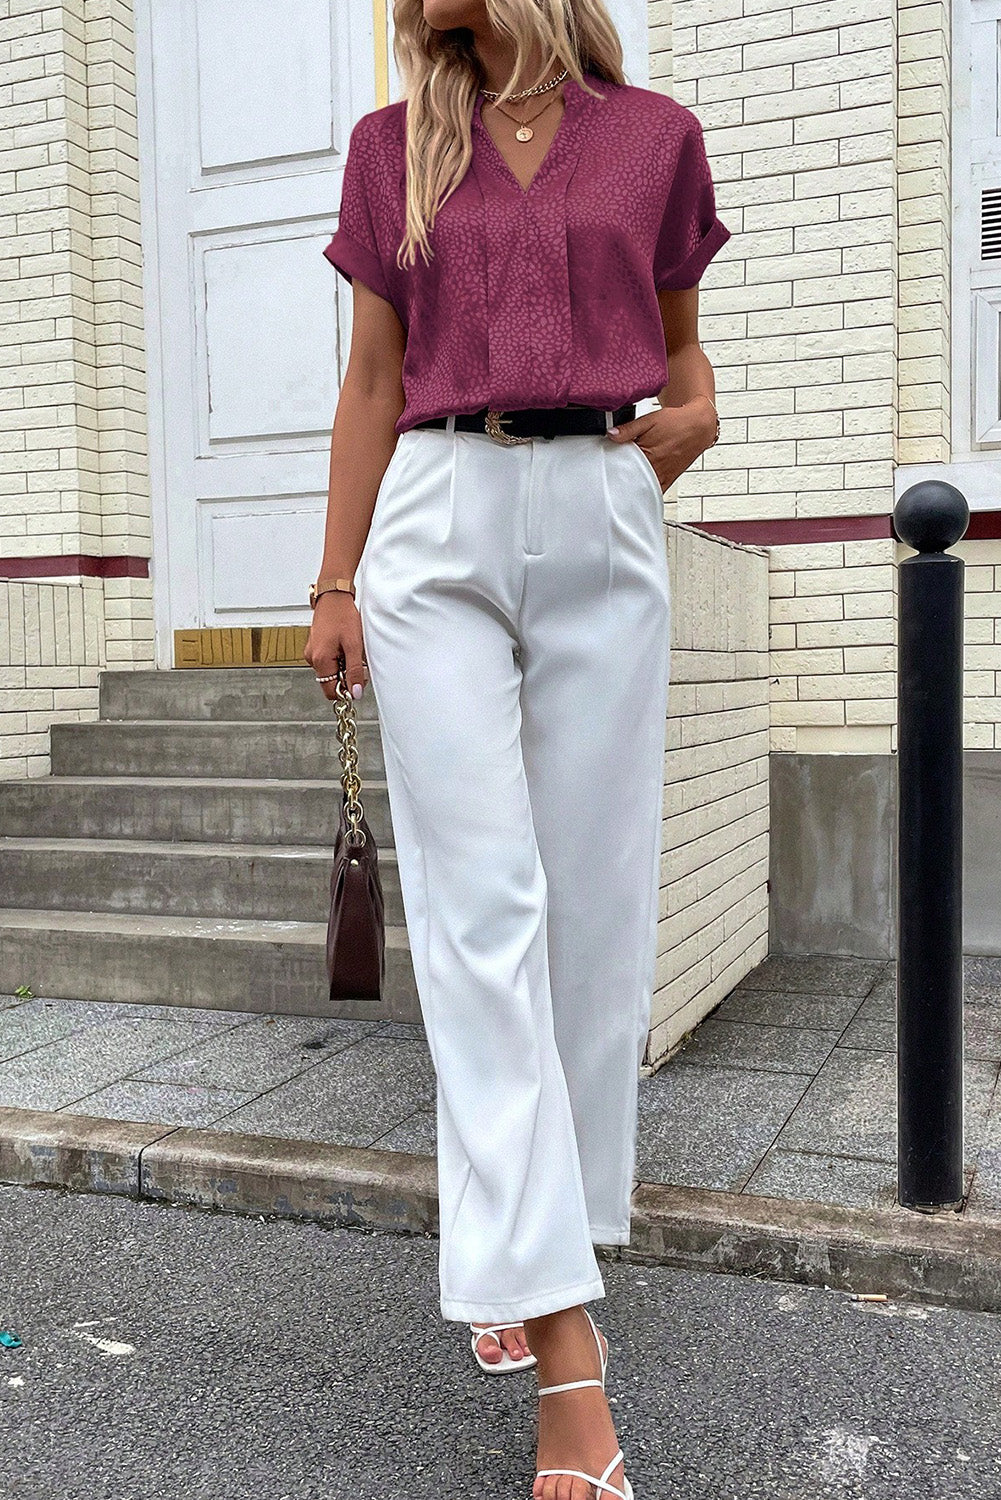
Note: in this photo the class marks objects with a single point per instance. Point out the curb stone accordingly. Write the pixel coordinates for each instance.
(935, 1258)
(349, 1187)
(939, 1258)
(48, 1148)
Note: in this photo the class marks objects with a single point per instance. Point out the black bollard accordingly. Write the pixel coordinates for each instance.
(930, 516)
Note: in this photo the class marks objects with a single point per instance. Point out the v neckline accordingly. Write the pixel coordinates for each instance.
(573, 98)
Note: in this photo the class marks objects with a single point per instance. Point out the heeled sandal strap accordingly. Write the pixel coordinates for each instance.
(571, 1385)
(602, 1353)
(493, 1329)
(601, 1484)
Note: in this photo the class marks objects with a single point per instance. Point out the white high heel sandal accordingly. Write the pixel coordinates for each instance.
(601, 1485)
(505, 1364)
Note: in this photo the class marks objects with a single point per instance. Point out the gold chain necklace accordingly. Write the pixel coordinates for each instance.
(540, 88)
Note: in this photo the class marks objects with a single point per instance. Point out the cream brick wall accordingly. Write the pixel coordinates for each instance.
(833, 646)
(52, 648)
(833, 654)
(826, 318)
(661, 56)
(799, 310)
(713, 924)
(73, 469)
(924, 238)
(982, 666)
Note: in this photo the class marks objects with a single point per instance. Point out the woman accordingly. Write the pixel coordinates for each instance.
(524, 233)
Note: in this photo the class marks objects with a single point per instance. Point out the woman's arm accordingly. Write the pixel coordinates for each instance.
(361, 445)
(673, 437)
(691, 372)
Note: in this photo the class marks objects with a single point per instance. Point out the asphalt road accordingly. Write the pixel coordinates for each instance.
(176, 1353)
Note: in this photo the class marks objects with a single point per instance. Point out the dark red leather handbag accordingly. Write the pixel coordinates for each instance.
(356, 927)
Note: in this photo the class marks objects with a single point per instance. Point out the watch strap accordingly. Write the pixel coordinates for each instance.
(328, 585)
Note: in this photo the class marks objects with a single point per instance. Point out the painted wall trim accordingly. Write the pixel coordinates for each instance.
(784, 531)
(74, 564)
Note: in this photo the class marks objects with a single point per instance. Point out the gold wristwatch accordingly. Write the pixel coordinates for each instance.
(326, 585)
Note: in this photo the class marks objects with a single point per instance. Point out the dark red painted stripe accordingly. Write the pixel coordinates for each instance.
(985, 526)
(794, 530)
(74, 564)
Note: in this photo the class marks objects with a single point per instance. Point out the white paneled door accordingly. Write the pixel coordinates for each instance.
(245, 113)
(245, 109)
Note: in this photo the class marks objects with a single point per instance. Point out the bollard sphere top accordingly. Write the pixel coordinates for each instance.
(931, 515)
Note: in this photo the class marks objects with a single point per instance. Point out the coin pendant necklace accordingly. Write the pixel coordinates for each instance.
(524, 131)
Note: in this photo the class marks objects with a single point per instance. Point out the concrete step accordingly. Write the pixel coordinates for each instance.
(223, 810)
(218, 963)
(180, 851)
(276, 693)
(261, 881)
(224, 748)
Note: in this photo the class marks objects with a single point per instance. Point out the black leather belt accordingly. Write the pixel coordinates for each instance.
(534, 421)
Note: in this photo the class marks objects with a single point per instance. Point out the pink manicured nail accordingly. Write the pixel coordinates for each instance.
(613, 431)
(356, 691)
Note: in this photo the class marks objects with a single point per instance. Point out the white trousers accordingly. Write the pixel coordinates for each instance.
(515, 606)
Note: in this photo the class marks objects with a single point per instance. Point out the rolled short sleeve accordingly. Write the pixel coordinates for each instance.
(691, 232)
(354, 249)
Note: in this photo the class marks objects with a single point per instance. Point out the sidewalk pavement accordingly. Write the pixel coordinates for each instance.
(766, 1144)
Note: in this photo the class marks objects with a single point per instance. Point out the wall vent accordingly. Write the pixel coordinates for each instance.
(990, 224)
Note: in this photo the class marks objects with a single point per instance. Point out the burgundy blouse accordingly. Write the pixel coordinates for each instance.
(545, 296)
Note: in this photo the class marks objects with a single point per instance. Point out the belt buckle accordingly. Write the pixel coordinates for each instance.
(492, 428)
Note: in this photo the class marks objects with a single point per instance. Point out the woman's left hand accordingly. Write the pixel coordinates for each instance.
(672, 437)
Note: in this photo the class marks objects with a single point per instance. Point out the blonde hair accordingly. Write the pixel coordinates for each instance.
(442, 75)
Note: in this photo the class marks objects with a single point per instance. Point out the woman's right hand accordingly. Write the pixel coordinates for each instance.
(336, 632)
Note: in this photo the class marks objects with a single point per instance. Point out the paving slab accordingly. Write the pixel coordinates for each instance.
(885, 987)
(709, 1127)
(982, 979)
(820, 1177)
(181, 1104)
(815, 975)
(353, 1098)
(418, 1134)
(985, 1194)
(721, 1043)
(33, 1024)
(850, 1107)
(29, 1023)
(875, 1031)
(817, 1012)
(260, 1054)
(62, 1073)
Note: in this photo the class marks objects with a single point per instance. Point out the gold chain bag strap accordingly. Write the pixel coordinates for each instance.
(356, 930)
